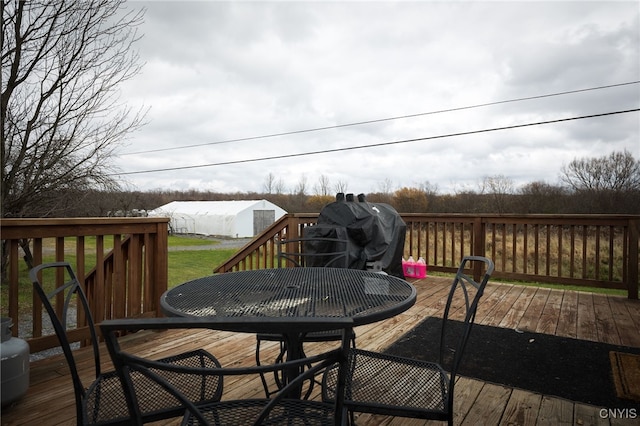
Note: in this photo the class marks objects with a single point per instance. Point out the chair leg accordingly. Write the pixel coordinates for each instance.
(278, 379)
(280, 358)
(262, 378)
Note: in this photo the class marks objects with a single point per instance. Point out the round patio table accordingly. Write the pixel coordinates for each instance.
(364, 296)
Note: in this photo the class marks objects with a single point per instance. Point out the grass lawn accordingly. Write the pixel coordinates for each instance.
(177, 241)
(186, 265)
(192, 264)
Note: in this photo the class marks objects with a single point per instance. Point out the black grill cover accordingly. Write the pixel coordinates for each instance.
(376, 232)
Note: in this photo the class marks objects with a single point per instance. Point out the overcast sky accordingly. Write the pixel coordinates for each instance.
(221, 71)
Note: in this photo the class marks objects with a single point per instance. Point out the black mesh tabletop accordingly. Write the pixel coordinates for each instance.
(293, 292)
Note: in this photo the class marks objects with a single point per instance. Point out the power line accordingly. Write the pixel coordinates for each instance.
(359, 123)
(375, 145)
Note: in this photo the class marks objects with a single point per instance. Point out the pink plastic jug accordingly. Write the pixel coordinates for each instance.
(421, 268)
(409, 267)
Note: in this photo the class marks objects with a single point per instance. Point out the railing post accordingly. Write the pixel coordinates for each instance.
(479, 244)
(160, 275)
(294, 231)
(295, 228)
(632, 261)
(13, 284)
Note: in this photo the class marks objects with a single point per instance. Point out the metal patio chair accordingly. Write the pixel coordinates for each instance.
(103, 401)
(307, 252)
(313, 252)
(238, 405)
(386, 384)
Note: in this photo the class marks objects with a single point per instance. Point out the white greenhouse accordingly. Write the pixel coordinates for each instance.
(236, 219)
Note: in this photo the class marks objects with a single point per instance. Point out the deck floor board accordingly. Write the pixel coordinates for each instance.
(609, 319)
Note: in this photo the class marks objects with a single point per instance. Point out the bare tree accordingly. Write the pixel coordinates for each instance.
(618, 171)
(386, 187)
(62, 62)
(499, 188)
(279, 187)
(269, 183)
(430, 189)
(323, 187)
(607, 184)
(498, 184)
(301, 187)
(340, 186)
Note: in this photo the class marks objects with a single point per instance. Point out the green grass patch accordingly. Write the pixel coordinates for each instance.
(178, 241)
(70, 243)
(90, 242)
(189, 265)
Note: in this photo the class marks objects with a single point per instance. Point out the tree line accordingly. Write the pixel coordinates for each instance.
(601, 185)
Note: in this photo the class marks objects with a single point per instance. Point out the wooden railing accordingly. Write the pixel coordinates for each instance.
(125, 259)
(583, 250)
(260, 253)
(123, 262)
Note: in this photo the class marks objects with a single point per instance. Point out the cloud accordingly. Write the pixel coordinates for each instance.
(218, 71)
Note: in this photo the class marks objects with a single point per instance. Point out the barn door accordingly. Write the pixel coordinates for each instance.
(262, 219)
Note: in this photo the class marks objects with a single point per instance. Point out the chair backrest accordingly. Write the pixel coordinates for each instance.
(127, 363)
(313, 252)
(460, 312)
(74, 312)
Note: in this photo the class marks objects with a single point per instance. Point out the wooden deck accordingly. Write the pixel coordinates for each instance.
(581, 315)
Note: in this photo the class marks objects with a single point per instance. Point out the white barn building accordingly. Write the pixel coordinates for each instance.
(237, 219)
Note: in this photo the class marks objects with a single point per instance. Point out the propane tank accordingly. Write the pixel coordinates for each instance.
(14, 359)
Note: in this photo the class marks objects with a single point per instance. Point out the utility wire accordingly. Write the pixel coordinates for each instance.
(338, 126)
(352, 148)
